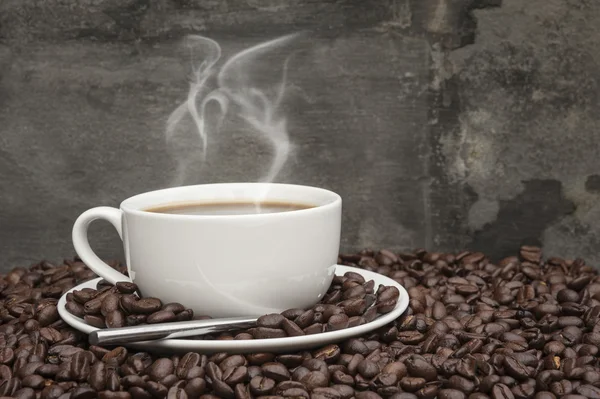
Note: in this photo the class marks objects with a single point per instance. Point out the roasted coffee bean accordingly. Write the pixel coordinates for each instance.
(156, 389)
(305, 319)
(337, 322)
(95, 321)
(291, 328)
(266, 333)
(145, 305)
(273, 320)
(115, 357)
(412, 384)
(135, 319)
(451, 394)
(523, 391)
(314, 379)
(160, 369)
(368, 369)
(462, 384)
(261, 386)
(501, 391)
(516, 369)
(109, 304)
(561, 388)
(115, 319)
(223, 390)
(126, 287)
(417, 366)
(75, 309)
(186, 363)
(162, 316)
(34, 381)
(195, 387)
(83, 393)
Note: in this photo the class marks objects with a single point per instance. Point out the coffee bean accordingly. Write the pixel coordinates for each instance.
(109, 304)
(261, 386)
(162, 316)
(80, 365)
(270, 321)
(176, 393)
(75, 309)
(462, 384)
(451, 394)
(337, 322)
(47, 315)
(187, 362)
(368, 369)
(144, 305)
(33, 381)
(305, 319)
(115, 319)
(516, 369)
(417, 366)
(561, 388)
(404, 395)
(262, 358)
(589, 391)
(314, 379)
(126, 287)
(316, 328)
(291, 328)
(83, 393)
(97, 377)
(115, 357)
(24, 393)
(266, 333)
(232, 361)
(501, 391)
(412, 384)
(156, 389)
(276, 371)
(114, 395)
(223, 390)
(160, 369)
(135, 319)
(195, 387)
(523, 391)
(95, 321)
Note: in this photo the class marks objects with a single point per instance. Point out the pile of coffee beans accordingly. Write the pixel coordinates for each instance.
(350, 301)
(119, 306)
(520, 328)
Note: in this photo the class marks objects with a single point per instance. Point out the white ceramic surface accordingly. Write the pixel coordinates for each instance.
(224, 265)
(289, 344)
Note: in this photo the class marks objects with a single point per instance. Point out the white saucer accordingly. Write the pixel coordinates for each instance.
(288, 344)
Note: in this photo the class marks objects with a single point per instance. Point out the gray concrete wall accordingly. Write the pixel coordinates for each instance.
(443, 123)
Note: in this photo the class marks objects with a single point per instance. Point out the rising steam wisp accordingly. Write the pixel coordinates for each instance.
(234, 90)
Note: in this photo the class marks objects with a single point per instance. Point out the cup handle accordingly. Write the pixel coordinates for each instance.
(82, 245)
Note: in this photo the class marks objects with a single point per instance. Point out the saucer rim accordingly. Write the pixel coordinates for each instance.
(244, 346)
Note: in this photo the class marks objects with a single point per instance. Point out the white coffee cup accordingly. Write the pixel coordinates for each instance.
(224, 265)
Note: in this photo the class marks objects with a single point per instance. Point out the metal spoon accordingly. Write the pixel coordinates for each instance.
(181, 329)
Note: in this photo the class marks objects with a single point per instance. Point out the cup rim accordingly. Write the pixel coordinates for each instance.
(336, 201)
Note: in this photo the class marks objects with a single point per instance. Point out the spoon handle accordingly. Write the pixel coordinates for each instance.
(181, 329)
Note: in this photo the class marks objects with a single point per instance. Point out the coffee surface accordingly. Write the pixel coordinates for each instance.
(228, 208)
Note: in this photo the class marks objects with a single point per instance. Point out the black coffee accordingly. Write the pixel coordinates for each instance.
(228, 208)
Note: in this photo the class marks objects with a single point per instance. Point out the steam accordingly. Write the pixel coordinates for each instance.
(234, 90)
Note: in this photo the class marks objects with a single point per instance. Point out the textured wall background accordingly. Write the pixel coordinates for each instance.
(443, 123)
